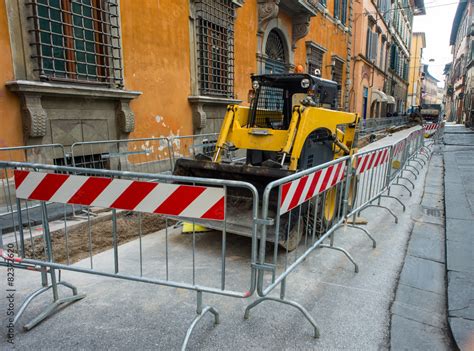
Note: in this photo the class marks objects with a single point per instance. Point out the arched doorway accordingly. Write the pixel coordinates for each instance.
(275, 52)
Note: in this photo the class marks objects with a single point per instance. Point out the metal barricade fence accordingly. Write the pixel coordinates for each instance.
(369, 176)
(299, 212)
(371, 125)
(140, 203)
(437, 135)
(190, 146)
(403, 152)
(430, 129)
(147, 155)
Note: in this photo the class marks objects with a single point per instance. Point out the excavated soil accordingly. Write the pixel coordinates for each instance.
(100, 233)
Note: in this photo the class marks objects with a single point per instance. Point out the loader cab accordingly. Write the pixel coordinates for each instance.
(274, 96)
(272, 101)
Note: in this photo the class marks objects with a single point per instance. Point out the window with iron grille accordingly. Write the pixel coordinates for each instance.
(77, 40)
(337, 77)
(315, 56)
(215, 47)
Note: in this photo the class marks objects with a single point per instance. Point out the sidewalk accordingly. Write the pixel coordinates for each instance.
(458, 151)
(419, 320)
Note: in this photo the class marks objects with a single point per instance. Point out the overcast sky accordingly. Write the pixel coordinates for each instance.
(437, 25)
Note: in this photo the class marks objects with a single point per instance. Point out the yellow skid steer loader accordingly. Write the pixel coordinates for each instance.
(291, 124)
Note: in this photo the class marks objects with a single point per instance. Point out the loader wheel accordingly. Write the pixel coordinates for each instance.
(351, 198)
(292, 239)
(330, 205)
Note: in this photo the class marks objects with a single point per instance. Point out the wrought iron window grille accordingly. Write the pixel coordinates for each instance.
(77, 41)
(215, 47)
(315, 57)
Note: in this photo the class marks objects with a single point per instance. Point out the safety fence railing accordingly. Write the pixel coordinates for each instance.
(371, 125)
(434, 131)
(192, 146)
(304, 211)
(147, 155)
(140, 203)
(296, 215)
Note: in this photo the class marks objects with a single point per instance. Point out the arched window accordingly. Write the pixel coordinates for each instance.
(275, 51)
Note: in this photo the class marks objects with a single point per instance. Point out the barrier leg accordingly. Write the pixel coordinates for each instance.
(419, 159)
(410, 171)
(29, 298)
(52, 307)
(415, 159)
(408, 180)
(414, 167)
(384, 207)
(403, 186)
(200, 313)
(374, 243)
(347, 254)
(286, 302)
(396, 199)
(426, 150)
(57, 302)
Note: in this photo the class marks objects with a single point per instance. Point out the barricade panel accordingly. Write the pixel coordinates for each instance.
(304, 209)
(110, 196)
(121, 208)
(369, 177)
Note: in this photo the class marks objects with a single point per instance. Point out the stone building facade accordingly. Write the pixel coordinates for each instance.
(382, 32)
(460, 73)
(415, 75)
(429, 90)
(85, 70)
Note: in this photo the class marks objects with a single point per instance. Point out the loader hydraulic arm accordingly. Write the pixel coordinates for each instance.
(226, 126)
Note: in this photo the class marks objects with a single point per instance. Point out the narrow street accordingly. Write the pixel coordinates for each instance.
(237, 175)
(353, 310)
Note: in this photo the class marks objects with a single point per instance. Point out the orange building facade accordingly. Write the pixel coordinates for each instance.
(110, 69)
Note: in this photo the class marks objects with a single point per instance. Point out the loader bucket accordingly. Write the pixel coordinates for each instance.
(239, 203)
(259, 176)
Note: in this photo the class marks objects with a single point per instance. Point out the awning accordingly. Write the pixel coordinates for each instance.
(390, 100)
(378, 95)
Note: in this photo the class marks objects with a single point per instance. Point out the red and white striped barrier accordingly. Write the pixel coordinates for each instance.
(430, 128)
(296, 192)
(371, 160)
(185, 201)
(398, 147)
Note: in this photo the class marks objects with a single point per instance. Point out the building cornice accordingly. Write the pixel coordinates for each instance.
(69, 90)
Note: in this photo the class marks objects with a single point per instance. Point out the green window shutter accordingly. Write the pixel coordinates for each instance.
(344, 12)
(336, 8)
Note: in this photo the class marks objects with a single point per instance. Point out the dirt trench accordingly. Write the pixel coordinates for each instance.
(77, 243)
